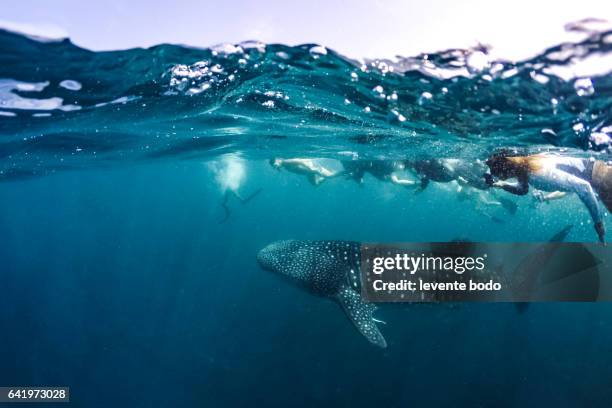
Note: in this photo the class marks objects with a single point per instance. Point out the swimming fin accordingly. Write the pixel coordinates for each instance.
(226, 207)
(249, 198)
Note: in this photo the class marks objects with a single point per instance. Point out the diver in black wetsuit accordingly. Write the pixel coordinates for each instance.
(384, 170)
(465, 172)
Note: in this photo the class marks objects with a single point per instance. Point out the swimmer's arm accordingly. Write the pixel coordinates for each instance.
(539, 195)
(520, 187)
(401, 181)
(555, 195)
(587, 196)
(584, 190)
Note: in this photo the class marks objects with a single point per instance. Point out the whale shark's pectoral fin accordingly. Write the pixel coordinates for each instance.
(360, 314)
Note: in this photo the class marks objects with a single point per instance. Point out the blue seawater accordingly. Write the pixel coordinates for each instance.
(118, 278)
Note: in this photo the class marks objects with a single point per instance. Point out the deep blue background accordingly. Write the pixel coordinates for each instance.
(123, 285)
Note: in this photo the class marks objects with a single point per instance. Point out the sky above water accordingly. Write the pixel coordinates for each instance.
(362, 28)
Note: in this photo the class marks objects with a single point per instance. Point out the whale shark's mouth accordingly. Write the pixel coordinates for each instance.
(264, 259)
(270, 257)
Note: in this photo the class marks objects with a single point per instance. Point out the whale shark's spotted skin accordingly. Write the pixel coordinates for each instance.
(329, 269)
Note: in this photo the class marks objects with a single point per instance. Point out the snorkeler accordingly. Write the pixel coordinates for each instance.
(446, 170)
(553, 173)
(317, 170)
(466, 175)
(393, 171)
(432, 169)
(230, 171)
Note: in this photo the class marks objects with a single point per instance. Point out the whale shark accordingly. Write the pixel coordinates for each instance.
(329, 269)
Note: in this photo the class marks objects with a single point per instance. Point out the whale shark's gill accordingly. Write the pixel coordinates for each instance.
(329, 269)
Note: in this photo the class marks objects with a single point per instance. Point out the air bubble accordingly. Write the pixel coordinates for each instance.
(584, 87)
(71, 85)
(425, 97)
(317, 51)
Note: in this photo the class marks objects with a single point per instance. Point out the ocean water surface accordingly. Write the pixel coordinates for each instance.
(128, 270)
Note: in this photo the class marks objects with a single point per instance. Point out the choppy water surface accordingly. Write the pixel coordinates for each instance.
(64, 107)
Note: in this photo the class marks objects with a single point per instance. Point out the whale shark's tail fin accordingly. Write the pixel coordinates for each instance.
(360, 314)
(527, 274)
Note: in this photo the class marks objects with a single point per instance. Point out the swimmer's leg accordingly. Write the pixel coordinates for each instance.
(555, 195)
(544, 198)
(509, 205)
(491, 217)
(225, 202)
(248, 198)
(487, 201)
(225, 206)
(315, 179)
(424, 183)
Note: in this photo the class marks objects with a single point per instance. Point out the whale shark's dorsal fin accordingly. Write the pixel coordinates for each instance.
(360, 314)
